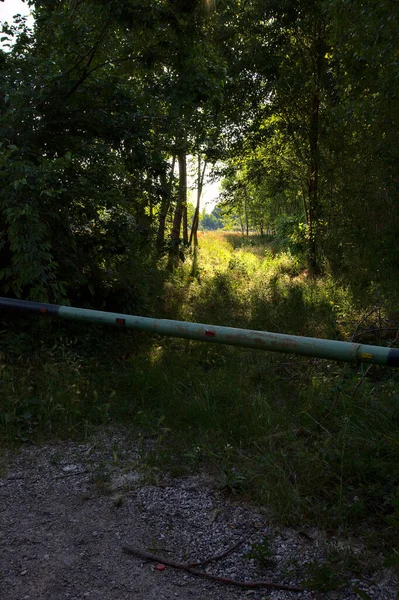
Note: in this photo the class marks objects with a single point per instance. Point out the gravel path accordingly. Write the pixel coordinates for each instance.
(67, 509)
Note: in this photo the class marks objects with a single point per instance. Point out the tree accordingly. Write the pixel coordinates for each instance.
(200, 184)
(361, 239)
(78, 177)
(297, 99)
(211, 221)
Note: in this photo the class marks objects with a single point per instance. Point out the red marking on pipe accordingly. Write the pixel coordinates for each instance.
(120, 321)
(210, 333)
(43, 310)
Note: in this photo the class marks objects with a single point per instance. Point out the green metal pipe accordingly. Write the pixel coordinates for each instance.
(275, 342)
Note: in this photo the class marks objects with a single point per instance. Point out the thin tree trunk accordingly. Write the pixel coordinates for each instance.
(241, 221)
(314, 165)
(194, 227)
(246, 213)
(165, 204)
(177, 219)
(313, 185)
(185, 225)
(151, 210)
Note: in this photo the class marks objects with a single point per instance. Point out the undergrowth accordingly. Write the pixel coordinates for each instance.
(315, 442)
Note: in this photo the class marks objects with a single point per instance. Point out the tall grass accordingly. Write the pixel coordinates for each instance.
(298, 435)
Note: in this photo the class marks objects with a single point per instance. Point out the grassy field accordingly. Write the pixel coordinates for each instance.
(315, 441)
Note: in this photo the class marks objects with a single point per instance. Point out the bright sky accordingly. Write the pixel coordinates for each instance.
(210, 195)
(210, 191)
(9, 8)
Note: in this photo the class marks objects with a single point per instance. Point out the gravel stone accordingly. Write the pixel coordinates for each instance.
(66, 510)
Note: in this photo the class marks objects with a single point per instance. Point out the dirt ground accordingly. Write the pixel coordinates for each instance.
(67, 510)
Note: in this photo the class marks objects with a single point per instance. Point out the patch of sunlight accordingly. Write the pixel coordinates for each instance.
(156, 355)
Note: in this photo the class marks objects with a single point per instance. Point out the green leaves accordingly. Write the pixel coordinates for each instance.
(299, 97)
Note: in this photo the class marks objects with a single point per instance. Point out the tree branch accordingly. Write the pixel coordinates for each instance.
(87, 74)
(193, 571)
(91, 54)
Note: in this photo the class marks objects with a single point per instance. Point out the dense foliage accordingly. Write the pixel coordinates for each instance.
(319, 161)
(103, 100)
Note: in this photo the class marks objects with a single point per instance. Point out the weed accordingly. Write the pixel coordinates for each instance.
(101, 477)
(233, 482)
(285, 431)
(262, 552)
(119, 500)
(361, 594)
(322, 577)
(56, 459)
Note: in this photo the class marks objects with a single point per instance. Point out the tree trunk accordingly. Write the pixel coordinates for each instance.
(246, 213)
(314, 162)
(185, 225)
(194, 227)
(151, 209)
(177, 219)
(313, 185)
(165, 204)
(241, 221)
